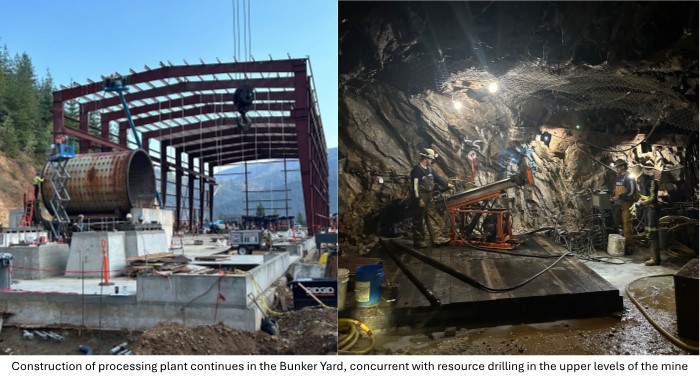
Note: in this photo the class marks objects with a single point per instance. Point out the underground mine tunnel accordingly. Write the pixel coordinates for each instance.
(550, 123)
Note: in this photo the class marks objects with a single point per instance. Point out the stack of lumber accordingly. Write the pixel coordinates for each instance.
(164, 263)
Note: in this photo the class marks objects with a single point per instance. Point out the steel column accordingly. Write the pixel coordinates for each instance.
(178, 190)
(200, 219)
(163, 174)
(212, 186)
(190, 191)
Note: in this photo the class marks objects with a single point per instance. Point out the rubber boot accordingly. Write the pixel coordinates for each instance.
(655, 258)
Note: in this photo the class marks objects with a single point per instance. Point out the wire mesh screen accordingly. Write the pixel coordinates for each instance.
(581, 88)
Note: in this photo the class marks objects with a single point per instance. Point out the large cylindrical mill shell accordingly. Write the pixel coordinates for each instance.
(105, 183)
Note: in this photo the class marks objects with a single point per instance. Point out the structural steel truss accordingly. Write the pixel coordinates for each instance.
(190, 109)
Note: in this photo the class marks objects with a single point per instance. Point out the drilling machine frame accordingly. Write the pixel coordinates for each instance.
(467, 208)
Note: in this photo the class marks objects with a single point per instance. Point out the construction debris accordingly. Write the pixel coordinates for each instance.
(160, 262)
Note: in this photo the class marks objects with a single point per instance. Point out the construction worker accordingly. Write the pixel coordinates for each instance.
(59, 140)
(648, 209)
(37, 184)
(423, 179)
(625, 189)
(79, 224)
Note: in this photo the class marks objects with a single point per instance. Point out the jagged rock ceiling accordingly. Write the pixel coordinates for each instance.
(607, 79)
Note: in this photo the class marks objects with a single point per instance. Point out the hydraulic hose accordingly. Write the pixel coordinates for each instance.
(348, 335)
(656, 325)
(465, 278)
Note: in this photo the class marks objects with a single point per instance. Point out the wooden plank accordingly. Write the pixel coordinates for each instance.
(407, 298)
(586, 275)
(150, 256)
(496, 275)
(547, 246)
(460, 291)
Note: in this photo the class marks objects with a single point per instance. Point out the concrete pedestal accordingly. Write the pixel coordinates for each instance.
(37, 262)
(86, 254)
(145, 242)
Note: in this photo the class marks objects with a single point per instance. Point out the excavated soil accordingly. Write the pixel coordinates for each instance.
(309, 331)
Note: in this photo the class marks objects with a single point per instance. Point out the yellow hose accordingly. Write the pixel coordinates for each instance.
(348, 335)
(677, 249)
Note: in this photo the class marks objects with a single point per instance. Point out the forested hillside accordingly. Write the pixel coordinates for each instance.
(25, 127)
(25, 108)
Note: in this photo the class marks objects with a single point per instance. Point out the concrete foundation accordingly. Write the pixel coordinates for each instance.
(85, 259)
(188, 299)
(86, 250)
(137, 243)
(37, 262)
(163, 217)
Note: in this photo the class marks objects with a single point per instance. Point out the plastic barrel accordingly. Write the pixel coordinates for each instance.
(343, 277)
(368, 285)
(5, 266)
(616, 245)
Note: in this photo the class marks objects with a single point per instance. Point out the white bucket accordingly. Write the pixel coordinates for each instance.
(343, 277)
(616, 245)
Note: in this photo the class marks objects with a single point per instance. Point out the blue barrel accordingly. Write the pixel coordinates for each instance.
(368, 285)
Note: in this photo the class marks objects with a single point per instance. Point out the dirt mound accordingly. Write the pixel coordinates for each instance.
(169, 338)
(310, 331)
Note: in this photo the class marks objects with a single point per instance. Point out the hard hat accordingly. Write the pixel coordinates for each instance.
(141, 218)
(430, 154)
(81, 216)
(129, 215)
(620, 162)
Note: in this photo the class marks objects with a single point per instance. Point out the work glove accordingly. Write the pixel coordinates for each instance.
(451, 186)
(638, 204)
(421, 203)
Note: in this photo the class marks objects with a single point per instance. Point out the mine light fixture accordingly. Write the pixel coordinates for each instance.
(546, 138)
(456, 103)
(493, 87)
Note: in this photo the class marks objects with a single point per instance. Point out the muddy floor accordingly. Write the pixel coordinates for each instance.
(629, 333)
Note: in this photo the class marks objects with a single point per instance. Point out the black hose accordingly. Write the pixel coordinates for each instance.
(468, 243)
(465, 278)
(434, 301)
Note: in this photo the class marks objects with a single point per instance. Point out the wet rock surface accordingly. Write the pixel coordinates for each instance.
(581, 81)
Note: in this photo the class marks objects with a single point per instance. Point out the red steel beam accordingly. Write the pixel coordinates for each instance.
(194, 128)
(192, 100)
(252, 155)
(195, 145)
(99, 140)
(273, 66)
(192, 86)
(248, 146)
(195, 111)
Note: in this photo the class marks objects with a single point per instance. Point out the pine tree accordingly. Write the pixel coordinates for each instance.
(260, 211)
(23, 103)
(25, 107)
(43, 132)
(300, 219)
(10, 144)
(5, 73)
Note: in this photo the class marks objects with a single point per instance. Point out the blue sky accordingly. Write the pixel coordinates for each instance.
(79, 39)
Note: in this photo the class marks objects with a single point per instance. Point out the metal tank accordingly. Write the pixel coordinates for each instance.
(105, 183)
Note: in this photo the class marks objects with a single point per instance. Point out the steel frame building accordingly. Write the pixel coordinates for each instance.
(188, 124)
